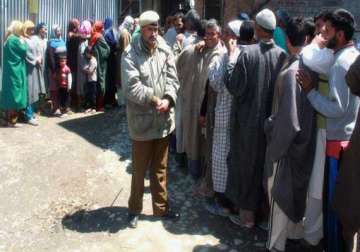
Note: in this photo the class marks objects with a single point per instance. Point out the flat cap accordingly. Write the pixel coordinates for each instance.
(148, 17)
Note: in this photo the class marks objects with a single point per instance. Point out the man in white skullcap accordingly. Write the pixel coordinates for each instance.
(150, 85)
(220, 205)
(251, 83)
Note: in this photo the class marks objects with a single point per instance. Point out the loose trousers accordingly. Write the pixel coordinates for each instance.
(152, 154)
(281, 227)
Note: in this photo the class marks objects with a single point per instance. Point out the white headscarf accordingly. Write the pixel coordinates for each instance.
(127, 24)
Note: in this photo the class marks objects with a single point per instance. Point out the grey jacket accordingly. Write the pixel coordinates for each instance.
(145, 75)
(341, 107)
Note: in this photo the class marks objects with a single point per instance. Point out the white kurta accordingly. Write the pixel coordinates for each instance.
(221, 137)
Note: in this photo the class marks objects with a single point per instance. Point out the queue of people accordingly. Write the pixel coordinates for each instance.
(58, 76)
(261, 114)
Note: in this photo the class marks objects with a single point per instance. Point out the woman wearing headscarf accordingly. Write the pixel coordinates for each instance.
(14, 82)
(84, 33)
(72, 46)
(56, 49)
(101, 52)
(34, 65)
(111, 36)
(41, 31)
(126, 28)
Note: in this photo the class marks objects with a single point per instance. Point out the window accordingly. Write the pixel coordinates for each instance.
(130, 7)
(214, 9)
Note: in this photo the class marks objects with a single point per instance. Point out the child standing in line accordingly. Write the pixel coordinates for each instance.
(92, 87)
(64, 80)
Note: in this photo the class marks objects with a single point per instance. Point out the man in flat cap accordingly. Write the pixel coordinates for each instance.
(150, 84)
(251, 83)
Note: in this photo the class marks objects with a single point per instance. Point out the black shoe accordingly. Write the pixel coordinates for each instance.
(133, 220)
(171, 215)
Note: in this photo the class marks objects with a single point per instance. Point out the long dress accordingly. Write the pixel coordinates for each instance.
(14, 81)
(111, 37)
(43, 42)
(81, 76)
(252, 85)
(101, 53)
(35, 74)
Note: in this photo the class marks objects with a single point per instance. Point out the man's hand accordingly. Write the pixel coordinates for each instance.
(231, 46)
(320, 41)
(200, 46)
(304, 79)
(163, 105)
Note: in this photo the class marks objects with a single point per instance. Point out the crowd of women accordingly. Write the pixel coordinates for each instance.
(53, 75)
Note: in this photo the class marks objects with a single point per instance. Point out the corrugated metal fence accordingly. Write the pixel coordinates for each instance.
(55, 12)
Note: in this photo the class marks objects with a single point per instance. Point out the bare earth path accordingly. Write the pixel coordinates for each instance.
(64, 187)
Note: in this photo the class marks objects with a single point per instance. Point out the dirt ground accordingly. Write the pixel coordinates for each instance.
(64, 186)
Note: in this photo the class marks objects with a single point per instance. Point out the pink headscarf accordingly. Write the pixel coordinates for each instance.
(85, 29)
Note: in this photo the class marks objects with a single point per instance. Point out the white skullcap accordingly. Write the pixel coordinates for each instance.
(235, 27)
(148, 17)
(266, 19)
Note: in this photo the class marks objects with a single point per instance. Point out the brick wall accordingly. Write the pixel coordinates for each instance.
(305, 8)
(310, 8)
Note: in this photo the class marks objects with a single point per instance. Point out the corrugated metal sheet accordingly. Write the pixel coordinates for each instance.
(61, 11)
(55, 12)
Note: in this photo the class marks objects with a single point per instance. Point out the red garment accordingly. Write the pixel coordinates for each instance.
(62, 76)
(96, 32)
(334, 148)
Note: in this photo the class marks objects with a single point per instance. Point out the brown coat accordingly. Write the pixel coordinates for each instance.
(193, 75)
(347, 200)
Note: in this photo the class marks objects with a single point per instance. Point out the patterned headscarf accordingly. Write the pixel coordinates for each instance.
(85, 29)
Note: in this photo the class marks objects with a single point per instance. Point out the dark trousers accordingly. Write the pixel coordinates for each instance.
(63, 95)
(151, 154)
(92, 91)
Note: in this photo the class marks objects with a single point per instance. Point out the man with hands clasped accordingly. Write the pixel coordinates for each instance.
(150, 84)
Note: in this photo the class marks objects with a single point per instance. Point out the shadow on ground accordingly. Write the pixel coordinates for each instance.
(104, 130)
(109, 132)
(108, 219)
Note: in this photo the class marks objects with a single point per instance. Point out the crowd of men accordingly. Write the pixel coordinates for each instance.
(262, 113)
(261, 116)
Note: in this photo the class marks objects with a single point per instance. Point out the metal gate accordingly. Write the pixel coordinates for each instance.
(55, 12)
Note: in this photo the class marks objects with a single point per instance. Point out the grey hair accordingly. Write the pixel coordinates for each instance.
(213, 24)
